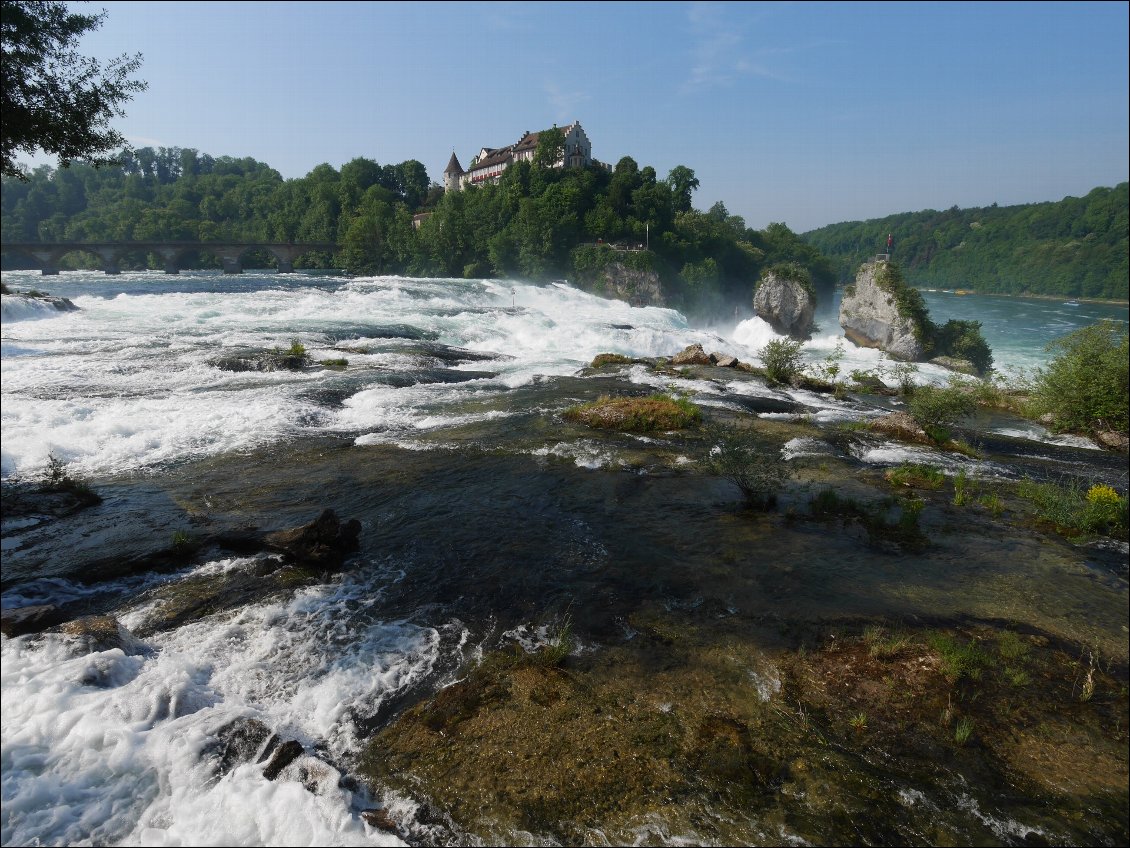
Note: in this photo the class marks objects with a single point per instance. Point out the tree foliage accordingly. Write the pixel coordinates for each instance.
(1076, 247)
(536, 223)
(53, 99)
(1087, 385)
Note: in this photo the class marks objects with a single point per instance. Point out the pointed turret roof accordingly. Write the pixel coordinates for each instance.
(453, 166)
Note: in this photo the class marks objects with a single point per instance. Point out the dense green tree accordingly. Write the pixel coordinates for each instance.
(535, 223)
(1076, 247)
(1086, 386)
(683, 183)
(52, 98)
(550, 149)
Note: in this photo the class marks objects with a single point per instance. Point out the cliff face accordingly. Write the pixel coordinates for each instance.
(786, 305)
(616, 280)
(870, 317)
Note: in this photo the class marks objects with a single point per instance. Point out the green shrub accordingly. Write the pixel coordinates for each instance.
(1087, 386)
(959, 659)
(58, 480)
(782, 359)
(297, 350)
(963, 340)
(748, 461)
(1074, 511)
(829, 369)
(963, 731)
(916, 476)
(903, 374)
(910, 303)
(964, 491)
(792, 271)
(937, 408)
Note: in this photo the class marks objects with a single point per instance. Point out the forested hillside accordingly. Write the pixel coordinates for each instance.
(1075, 247)
(538, 223)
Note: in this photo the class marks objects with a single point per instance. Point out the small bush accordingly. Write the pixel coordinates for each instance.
(916, 476)
(829, 369)
(939, 409)
(58, 480)
(963, 731)
(751, 463)
(297, 350)
(1073, 512)
(959, 659)
(963, 340)
(964, 491)
(903, 373)
(782, 359)
(1087, 386)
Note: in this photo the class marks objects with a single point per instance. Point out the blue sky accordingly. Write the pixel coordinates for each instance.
(807, 113)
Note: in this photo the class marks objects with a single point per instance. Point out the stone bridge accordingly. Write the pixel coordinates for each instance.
(48, 254)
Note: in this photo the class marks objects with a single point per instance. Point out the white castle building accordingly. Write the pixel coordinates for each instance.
(490, 162)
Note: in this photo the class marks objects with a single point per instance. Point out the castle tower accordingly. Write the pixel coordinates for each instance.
(452, 174)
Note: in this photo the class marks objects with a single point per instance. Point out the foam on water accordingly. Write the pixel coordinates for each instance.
(128, 382)
(14, 307)
(111, 748)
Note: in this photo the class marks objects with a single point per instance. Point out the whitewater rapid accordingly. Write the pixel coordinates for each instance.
(129, 381)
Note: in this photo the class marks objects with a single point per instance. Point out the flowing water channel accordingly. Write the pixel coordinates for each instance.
(489, 523)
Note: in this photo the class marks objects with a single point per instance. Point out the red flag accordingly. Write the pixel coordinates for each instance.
(888, 241)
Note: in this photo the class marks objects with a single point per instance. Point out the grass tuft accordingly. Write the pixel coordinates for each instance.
(654, 413)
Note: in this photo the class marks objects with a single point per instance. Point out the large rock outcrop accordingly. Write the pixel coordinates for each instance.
(617, 280)
(871, 316)
(787, 305)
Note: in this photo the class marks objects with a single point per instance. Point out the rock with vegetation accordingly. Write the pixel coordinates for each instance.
(951, 363)
(879, 310)
(636, 415)
(786, 300)
(900, 425)
(624, 278)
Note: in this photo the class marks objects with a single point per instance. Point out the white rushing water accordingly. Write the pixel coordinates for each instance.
(110, 747)
(127, 382)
